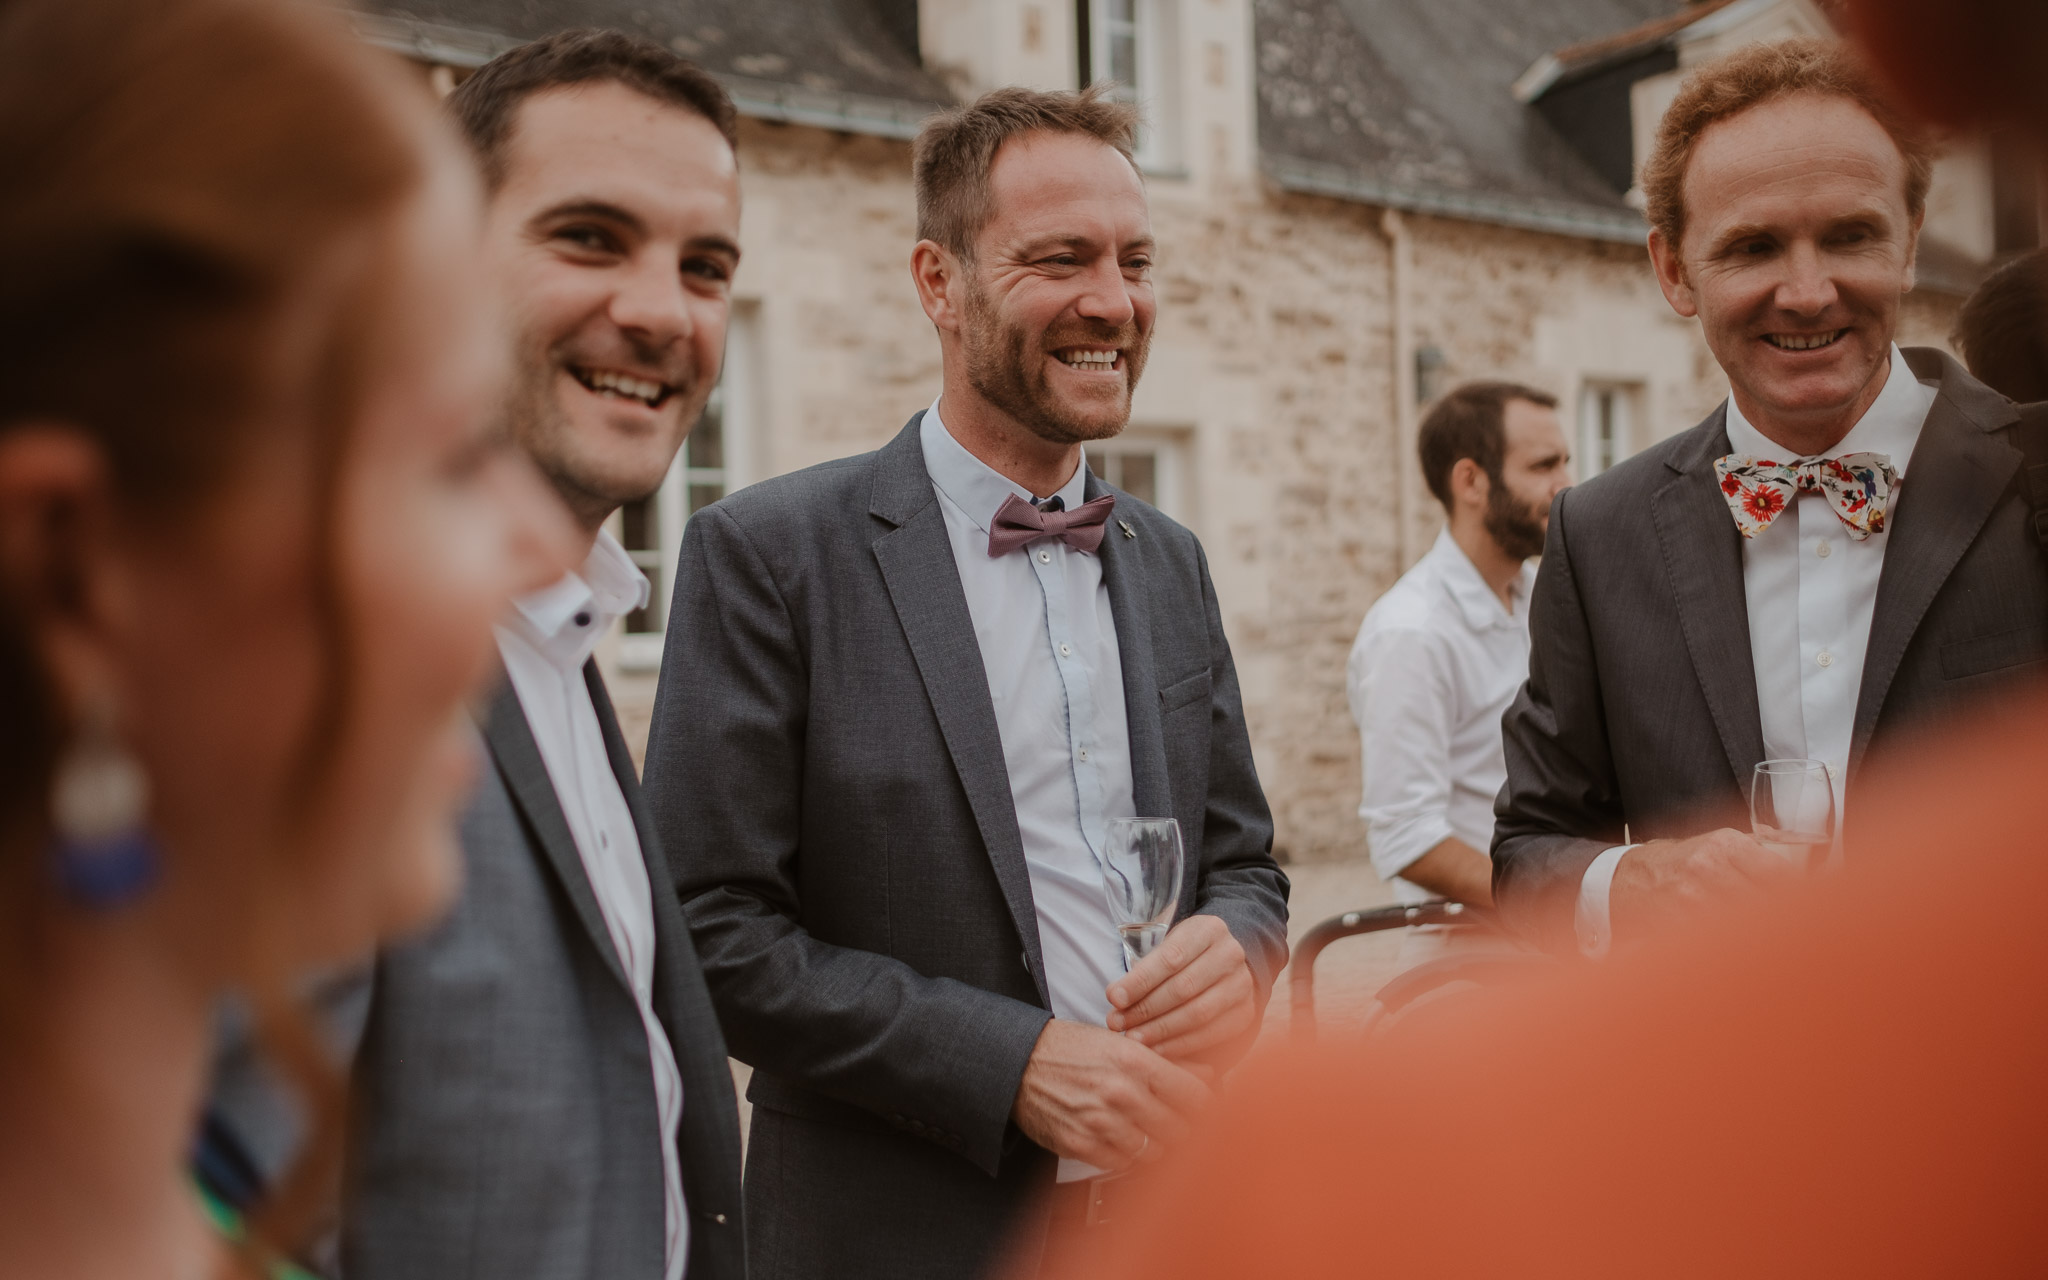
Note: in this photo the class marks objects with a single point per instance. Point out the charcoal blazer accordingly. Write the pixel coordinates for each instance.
(505, 1121)
(1640, 713)
(856, 881)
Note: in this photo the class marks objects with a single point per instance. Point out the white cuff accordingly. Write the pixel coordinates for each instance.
(1592, 919)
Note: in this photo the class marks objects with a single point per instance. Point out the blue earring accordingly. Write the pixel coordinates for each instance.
(102, 852)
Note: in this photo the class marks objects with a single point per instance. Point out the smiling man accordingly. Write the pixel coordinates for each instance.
(542, 1087)
(1836, 558)
(929, 679)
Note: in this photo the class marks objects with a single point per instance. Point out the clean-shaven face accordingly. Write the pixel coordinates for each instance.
(613, 239)
(1059, 308)
(1796, 250)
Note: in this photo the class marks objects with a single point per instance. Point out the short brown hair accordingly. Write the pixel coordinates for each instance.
(485, 103)
(2001, 329)
(1752, 77)
(1470, 422)
(955, 150)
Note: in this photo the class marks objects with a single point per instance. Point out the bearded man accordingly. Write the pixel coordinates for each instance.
(927, 680)
(1444, 651)
(1835, 560)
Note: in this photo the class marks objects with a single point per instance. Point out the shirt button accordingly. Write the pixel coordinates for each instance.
(718, 1218)
(1825, 549)
(1066, 652)
(1084, 755)
(1045, 557)
(1825, 658)
(582, 619)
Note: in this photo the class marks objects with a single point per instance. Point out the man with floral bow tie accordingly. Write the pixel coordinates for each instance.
(1773, 583)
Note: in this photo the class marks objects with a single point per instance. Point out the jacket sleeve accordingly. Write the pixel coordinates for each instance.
(1561, 805)
(933, 1057)
(1241, 884)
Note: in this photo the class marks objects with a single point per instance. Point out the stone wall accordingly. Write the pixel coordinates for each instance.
(1273, 371)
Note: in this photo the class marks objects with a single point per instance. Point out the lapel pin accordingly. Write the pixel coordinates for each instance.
(1125, 525)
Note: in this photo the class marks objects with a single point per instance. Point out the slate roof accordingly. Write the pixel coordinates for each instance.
(838, 64)
(1411, 103)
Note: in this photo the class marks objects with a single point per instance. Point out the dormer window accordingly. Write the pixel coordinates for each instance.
(1129, 43)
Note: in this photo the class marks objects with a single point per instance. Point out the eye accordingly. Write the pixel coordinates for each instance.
(592, 238)
(1138, 263)
(710, 270)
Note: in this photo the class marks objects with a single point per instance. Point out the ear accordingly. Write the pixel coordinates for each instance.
(939, 275)
(1913, 252)
(1671, 279)
(58, 571)
(1470, 485)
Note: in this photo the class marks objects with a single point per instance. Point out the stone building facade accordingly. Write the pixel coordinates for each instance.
(1332, 255)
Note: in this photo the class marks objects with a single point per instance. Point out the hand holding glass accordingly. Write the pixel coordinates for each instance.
(1142, 872)
(1792, 811)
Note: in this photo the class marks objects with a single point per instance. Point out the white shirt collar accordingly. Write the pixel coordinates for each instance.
(1475, 600)
(975, 487)
(1890, 426)
(565, 619)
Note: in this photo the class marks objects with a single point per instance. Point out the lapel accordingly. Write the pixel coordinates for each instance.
(1703, 554)
(916, 561)
(1129, 607)
(526, 777)
(1958, 473)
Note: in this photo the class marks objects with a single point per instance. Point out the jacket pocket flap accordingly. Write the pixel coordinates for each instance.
(1182, 692)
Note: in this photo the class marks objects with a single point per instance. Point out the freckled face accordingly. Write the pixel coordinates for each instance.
(1796, 249)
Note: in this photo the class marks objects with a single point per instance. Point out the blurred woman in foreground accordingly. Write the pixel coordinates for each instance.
(253, 534)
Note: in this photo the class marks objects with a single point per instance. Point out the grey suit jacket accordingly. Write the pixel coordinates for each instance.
(1641, 704)
(505, 1123)
(857, 884)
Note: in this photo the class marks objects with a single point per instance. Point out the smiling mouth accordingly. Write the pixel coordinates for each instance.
(623, 386)
(1091, 359)
(1804, 341)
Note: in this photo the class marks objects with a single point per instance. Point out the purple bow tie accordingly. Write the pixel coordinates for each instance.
(1019, 524)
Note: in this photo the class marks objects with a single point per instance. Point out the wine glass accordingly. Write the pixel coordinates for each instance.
(1141, 872)
(1792, 810)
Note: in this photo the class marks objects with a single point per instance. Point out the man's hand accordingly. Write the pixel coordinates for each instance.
(1665, 879)
(1192, 999)
(1092, 1095)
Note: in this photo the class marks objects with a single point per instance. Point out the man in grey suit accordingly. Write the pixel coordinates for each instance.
(928, 679)
(542, 1088)
(1836, 558)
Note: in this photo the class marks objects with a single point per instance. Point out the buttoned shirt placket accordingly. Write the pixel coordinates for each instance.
(1050, 562)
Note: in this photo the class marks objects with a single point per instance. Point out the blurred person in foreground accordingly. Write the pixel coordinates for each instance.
(254, 529)
(1843, 1082)
(1442, 653)
(1999, 329)
(928, 679)
(1833, 562)
(543, 1088)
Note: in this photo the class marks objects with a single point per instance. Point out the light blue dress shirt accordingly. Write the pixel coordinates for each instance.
(1048, 646)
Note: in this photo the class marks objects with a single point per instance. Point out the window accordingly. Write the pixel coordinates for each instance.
(709, 466)
(1146, 467)
(1606, 426)
(1129, 43)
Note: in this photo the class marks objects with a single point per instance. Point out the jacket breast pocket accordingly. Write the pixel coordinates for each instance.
(1999, 651)
(1183, 693)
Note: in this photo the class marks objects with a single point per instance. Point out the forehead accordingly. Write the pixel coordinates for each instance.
(607, 141)
(1065, 184)
(1796, 158)
(1531, 426)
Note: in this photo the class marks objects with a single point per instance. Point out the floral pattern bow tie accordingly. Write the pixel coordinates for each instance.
(1857, 485)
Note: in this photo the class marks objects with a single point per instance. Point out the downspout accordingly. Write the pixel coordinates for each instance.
(1401, 269)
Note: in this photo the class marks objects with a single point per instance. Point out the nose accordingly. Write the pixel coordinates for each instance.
(1807, 288)
(649, 302)
(1106, 295)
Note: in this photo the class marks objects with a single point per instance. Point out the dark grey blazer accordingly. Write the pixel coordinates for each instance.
(856, 881)
(1641, 705)
(505, 1115)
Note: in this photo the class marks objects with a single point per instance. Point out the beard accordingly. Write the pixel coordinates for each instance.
(1005, 368)
(1516, 527)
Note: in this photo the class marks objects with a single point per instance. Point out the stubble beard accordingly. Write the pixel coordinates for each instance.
(1005, 369)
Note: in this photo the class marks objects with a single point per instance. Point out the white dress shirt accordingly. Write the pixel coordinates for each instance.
(1435, 665)
(545, 641)
(1810, 590)
(1048, 646)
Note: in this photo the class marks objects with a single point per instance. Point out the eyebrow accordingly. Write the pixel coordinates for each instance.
(1749, 231)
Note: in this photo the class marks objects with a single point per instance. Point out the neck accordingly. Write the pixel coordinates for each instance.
(1810, 435)
(1007, 446)
(103, 1061)
(1496, 567)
